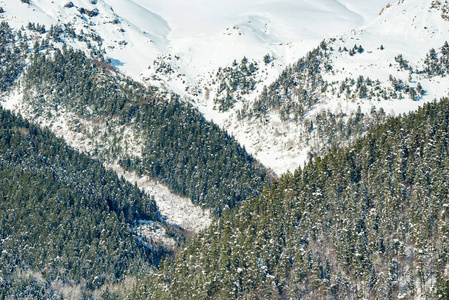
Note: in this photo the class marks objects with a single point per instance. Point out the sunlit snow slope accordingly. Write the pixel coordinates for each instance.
(407, 28)
(205, 34)
(181, 45)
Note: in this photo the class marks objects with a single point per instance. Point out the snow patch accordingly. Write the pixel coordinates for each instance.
(176, 209)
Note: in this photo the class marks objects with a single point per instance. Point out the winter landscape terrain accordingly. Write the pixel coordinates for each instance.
(204, 105)
(181, 47)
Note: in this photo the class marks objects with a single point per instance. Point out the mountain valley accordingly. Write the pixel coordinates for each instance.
(257, 150)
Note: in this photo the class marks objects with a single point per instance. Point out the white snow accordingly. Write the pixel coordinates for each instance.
(206, 34)
(151, 233)
(409, 28)
(177, 210)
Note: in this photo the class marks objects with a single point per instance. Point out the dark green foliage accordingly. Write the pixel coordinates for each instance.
(77, 83)
(11, 58)
(368, 221)
(26, 286)
(403, 63)
(338, 130)
(193, 157)
(267, 58)
(58, 33)
(36, 27)
(296, 90)
(162, 65)
(437, 64)
(400, 86)
(63, 216)
(356, 49)
(235, 82)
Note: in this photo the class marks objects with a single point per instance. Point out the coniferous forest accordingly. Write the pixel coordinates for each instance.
(193, 157)
(367, 217)
(64, 219)
(67, 223)
(370, 221)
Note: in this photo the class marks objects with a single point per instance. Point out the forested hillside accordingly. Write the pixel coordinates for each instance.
(171, 142)
(68, 224)
(12, 58)
(136, 86)
(65, 221)
(367, 221)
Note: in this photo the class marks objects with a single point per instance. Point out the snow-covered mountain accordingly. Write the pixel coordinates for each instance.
(133, 84)
(404, 29)
(197, 49)
(204, 34)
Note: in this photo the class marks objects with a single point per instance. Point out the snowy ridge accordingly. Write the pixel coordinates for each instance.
(180, 46)
(408, 28)
(205, 34)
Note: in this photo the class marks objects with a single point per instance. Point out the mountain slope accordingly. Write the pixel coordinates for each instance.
(178, 146)
(167, 45)
(65, 221)
(367, 221)
(135, 33)
(362, 68)
(145, 130)
(291, 82)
